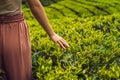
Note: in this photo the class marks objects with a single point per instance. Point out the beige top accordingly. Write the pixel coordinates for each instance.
(10, 7)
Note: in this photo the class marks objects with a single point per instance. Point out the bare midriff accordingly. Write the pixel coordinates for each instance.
(10, 7)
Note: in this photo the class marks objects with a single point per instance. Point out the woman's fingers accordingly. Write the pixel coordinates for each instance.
(64, 43)
(61, 44)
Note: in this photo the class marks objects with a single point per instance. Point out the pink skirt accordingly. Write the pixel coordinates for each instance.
(15, 48)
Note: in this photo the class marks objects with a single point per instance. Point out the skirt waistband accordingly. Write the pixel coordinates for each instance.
(10, 19)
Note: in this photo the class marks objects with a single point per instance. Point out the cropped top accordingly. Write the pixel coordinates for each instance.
(10, 7)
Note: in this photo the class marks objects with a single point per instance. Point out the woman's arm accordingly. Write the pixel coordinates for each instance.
(39, 13)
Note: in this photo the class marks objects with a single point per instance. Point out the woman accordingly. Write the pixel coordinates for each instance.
(15, 46)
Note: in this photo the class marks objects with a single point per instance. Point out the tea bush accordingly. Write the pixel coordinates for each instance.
(94, 52)
(79, 8)
(82, 8)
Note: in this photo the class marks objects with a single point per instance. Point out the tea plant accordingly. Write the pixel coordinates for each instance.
(94, 52)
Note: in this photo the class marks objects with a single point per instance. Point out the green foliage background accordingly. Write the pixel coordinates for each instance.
(92, 29)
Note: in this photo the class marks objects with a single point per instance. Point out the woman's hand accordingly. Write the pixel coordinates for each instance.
(62, 42)
(38, 11)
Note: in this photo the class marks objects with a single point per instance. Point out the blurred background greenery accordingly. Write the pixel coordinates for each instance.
(92, 29)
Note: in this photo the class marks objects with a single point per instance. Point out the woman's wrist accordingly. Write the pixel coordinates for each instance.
(51, 34)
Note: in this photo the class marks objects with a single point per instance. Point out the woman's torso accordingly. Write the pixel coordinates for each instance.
(10, 7)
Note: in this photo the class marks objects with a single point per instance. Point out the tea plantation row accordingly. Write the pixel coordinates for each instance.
(79, 8)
